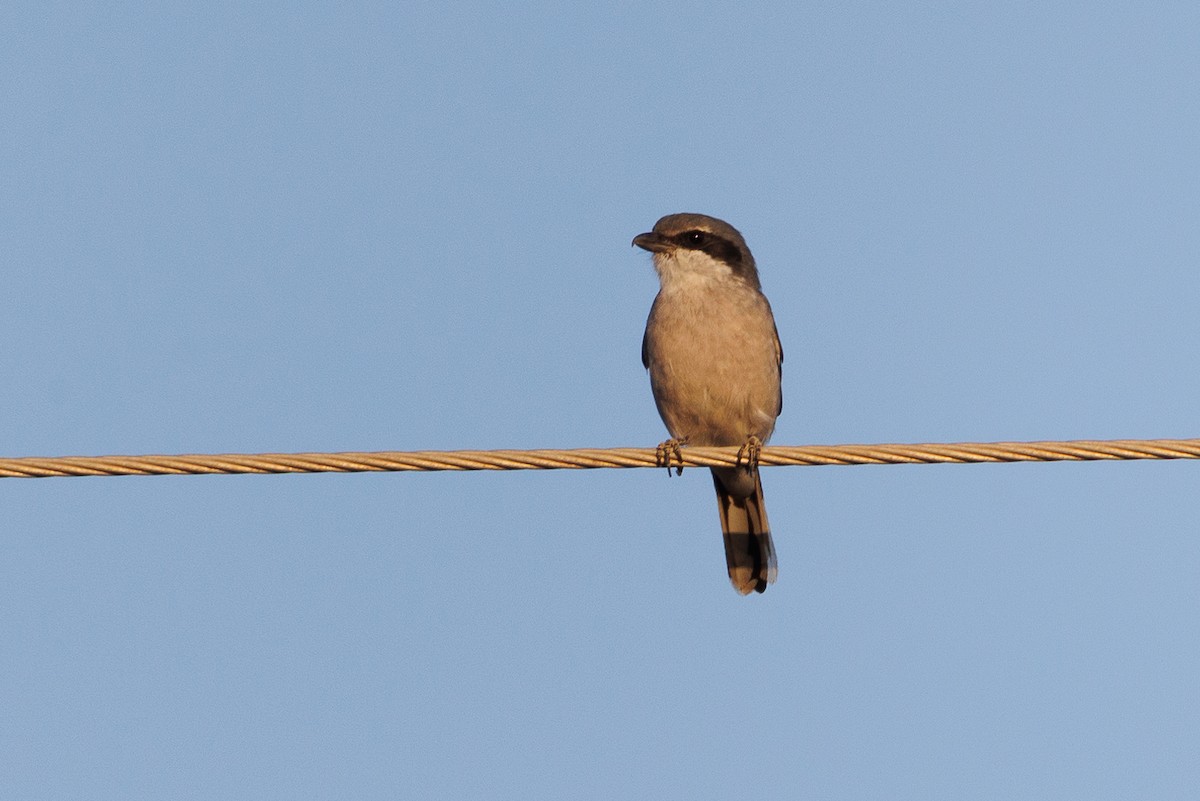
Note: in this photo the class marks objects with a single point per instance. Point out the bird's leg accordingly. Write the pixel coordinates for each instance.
(666, 451)
(749, 452)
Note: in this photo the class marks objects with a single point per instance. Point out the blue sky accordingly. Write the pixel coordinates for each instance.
(241, 228)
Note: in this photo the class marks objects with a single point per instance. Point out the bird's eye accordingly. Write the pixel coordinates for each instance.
(694, 238)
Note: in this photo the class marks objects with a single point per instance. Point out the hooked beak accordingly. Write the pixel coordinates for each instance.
(655, 243)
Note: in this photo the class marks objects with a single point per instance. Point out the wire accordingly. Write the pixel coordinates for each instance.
(588, 458)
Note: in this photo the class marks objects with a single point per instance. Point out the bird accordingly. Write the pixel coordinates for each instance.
(712, 350)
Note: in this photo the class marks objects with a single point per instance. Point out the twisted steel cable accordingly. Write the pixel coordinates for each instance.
(591, 458)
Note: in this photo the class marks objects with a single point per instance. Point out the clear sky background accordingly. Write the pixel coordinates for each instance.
(284, 227)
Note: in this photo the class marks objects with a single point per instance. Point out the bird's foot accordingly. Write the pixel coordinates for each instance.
(668, 451)
(749, 453)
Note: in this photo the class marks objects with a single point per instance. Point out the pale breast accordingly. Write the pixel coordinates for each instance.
(714, 363)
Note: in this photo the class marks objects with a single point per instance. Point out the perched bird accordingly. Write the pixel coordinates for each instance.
(715, 362)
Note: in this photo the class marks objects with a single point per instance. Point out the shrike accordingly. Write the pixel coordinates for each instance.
(715, 363)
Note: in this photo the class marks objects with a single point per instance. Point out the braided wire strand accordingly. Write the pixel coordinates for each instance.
(593, 458)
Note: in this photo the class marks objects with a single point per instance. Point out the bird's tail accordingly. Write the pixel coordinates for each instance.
(749, 551)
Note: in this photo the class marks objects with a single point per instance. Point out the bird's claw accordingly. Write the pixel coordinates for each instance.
(668, 451)
(749, 452)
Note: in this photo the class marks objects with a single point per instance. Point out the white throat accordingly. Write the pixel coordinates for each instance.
(681, 268)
